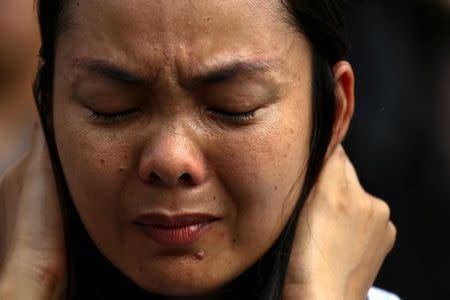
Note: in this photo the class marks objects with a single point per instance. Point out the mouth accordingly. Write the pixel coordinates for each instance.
(175, 230)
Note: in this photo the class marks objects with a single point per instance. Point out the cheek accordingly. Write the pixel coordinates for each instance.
(262, 172)
(95, 165)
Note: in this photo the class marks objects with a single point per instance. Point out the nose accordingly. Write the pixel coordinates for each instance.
(172, 159)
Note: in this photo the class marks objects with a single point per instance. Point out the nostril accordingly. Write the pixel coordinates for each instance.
(153, 177)
(186, 178)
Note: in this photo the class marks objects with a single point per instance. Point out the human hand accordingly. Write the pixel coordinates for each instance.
(342, 238)
(32, 253)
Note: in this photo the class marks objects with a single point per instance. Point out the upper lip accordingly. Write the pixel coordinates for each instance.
(181, 220)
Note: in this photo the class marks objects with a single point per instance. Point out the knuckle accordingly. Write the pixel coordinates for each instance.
(393, 230)
(334, 199)
(392, 236)
(345, 198)
(340, 201)
(368, 205)
(383, 209)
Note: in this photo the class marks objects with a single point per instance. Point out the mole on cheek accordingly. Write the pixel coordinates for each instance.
(102, 161)
(199, 255)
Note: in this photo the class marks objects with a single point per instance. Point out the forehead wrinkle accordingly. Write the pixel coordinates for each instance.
(225, 70)
(125, 73)
(243, 60)
(173, 61)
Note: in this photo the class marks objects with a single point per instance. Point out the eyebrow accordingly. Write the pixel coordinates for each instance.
(111, 71)
(212, 74)
(227, 70)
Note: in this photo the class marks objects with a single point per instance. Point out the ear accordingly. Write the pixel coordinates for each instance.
(344, 80)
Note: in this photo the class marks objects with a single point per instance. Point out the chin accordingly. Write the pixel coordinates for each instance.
(182, 286)
(181, 281)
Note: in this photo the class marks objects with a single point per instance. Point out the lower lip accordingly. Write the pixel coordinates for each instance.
(176, 236)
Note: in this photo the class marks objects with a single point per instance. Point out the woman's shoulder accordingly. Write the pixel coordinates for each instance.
(379, 294)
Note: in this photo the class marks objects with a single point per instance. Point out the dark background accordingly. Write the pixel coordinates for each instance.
(400, 136)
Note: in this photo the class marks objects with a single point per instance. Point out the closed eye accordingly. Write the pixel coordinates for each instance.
(234, 117)
(112, 118)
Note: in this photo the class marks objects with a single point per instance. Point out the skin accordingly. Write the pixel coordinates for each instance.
(241, 172)
(341, 240)
(343, 234)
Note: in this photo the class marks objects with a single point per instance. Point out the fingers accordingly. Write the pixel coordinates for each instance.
(338, 180)
(39, 188)
(343, 233)
(38, 212)
(338, 172)
(35, 231)
(391, 237)
(11, 184)
(339, 190)
(382, 221)
(40, 158)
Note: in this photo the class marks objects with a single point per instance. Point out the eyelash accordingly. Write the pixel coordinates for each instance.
(234, 117)
(112, 118)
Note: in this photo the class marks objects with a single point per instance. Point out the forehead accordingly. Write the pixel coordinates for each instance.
(180, 33)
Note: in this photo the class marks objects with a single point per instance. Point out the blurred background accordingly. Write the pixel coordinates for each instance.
(400, 135)
(399, 139)
(19, 46)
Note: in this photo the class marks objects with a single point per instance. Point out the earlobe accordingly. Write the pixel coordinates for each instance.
(345, 102)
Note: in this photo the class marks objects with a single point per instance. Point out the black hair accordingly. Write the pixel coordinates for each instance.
(90, 275)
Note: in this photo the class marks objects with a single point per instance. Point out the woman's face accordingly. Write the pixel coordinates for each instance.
(182, 128)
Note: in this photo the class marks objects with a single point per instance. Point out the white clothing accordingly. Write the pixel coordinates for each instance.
(379, 294)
